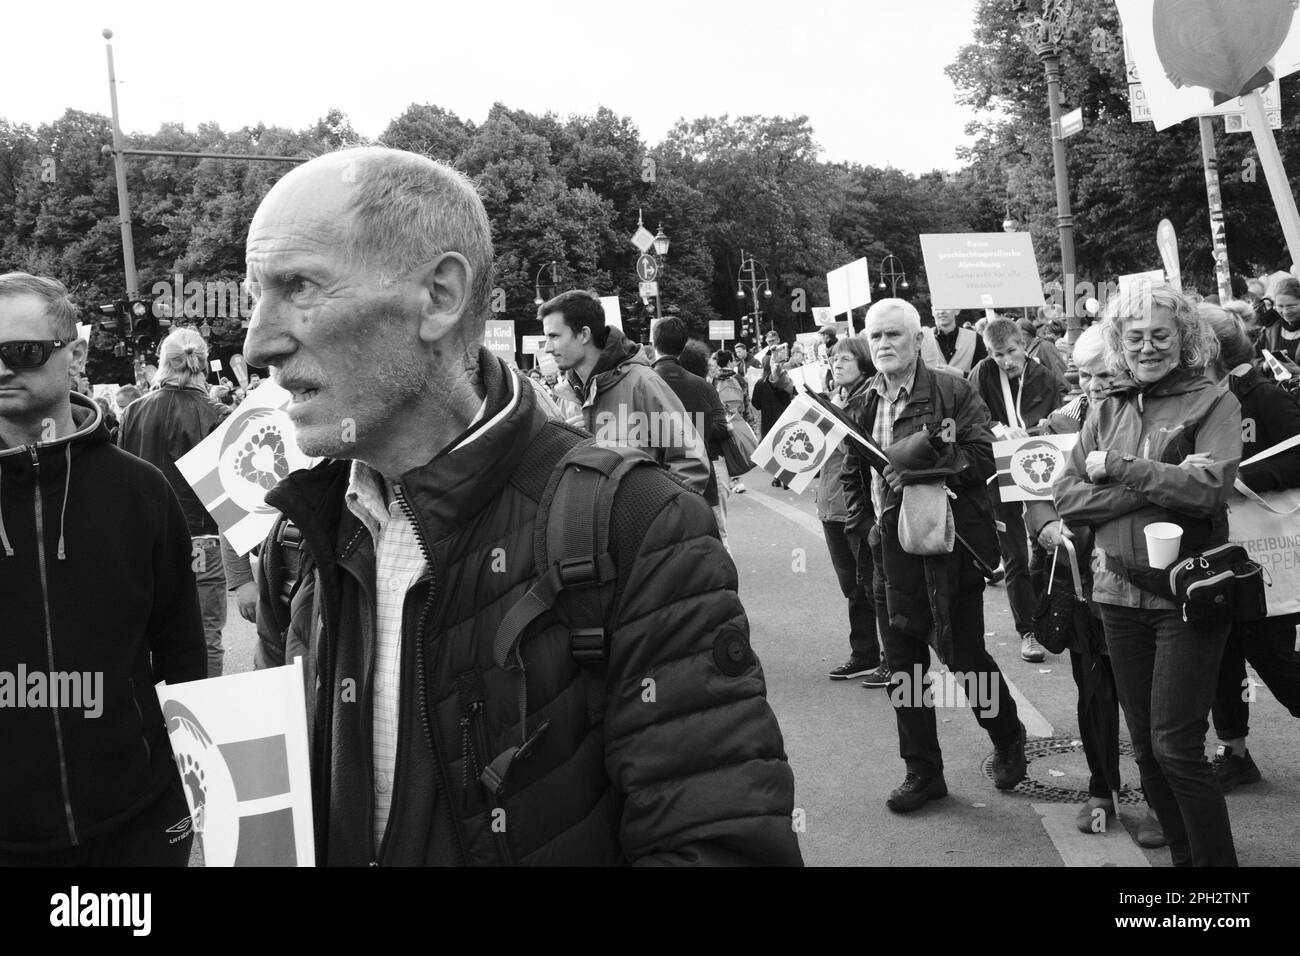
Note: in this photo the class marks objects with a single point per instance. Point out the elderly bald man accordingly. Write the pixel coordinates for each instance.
(372, 271)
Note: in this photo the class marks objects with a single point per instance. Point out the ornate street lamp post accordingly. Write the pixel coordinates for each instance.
(891, 271)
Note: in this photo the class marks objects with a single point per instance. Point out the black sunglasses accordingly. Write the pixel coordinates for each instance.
(29, 354)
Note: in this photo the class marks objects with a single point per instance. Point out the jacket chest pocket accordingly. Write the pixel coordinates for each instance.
(476, 756)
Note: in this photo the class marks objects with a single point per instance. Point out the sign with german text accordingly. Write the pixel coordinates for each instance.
(989, 270)
(499, 336)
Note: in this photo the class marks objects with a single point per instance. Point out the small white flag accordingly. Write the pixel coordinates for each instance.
(241, 748)
(796, 447)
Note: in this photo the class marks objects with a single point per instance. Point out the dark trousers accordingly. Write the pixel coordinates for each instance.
(1269, 645)
(851, 558)
(1098, 749)
(1014, 543)
(918, 737)
(144, 840)
(1165, 672)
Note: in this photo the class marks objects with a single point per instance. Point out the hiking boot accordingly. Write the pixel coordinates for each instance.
(776, 483)
(1031, 650)
(1087, 813)
(877, 677)
(1150, 833)
(1231, 770)
(915, 791)
(849, 670)
(1009, 765)
(737, 488)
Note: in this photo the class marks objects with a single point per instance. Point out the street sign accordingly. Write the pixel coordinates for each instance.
(649, 290)
(1072, 122)
(647, 269)
(723, 330)
(643, 239)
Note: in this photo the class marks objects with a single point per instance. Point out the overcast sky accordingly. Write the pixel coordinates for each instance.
(869, 74)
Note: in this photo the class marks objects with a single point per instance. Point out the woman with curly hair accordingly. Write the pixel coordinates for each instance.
(1164, 446)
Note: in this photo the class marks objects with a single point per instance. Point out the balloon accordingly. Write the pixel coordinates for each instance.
(1224, 47)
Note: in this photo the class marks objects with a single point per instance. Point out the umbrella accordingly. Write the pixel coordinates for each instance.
(1098, 699)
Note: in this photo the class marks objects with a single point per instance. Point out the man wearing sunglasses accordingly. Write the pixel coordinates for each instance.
(97, 604)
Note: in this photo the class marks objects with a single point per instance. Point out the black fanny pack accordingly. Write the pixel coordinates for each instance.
(1214, 586)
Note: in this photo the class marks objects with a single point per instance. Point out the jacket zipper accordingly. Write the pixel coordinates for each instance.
(49, 647)
(474, 749)
(420, 676)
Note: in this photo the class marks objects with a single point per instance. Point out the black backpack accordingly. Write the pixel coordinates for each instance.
(575, 569)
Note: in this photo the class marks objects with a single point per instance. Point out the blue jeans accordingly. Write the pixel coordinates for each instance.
(210, 576)
(1165, 672)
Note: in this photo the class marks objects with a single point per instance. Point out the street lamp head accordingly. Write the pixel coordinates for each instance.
(661, 242)
(740, 293)
(107, 34)
(881, 285)
(537, 300)
(767, 293)
(904, 285)
(1009, 225)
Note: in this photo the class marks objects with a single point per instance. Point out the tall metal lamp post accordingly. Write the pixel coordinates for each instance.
(749, 272)
(1045, 32)
(891, 271)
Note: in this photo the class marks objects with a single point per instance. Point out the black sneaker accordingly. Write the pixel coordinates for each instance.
(1233, 771)
(915, 791)
(1009, 765)
(877, 677)
(849, 670)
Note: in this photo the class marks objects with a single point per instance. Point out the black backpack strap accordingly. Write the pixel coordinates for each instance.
(281, 566)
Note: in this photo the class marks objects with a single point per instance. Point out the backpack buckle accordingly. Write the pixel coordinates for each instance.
(576, 573)
(587, 645)
(289, 535)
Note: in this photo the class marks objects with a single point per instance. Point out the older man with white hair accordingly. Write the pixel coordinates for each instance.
(372, 270)
(932, 543)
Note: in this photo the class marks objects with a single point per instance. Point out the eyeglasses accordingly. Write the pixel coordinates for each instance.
(1161, 340)
(31, 354)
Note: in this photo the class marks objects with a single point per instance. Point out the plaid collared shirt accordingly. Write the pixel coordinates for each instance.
(882, 429)
(399, 564)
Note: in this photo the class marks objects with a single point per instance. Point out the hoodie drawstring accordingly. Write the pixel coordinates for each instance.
(4, 538)
(67, 480)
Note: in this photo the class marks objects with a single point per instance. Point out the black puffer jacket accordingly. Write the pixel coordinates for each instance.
(688, 765)
(101, 586)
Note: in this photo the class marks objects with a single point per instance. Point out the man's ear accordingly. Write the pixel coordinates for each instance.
(445, 284)
(77, 361)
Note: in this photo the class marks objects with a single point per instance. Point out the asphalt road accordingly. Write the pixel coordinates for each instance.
(843, 746)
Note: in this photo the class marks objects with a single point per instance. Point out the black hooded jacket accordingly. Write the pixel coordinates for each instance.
(95, 578)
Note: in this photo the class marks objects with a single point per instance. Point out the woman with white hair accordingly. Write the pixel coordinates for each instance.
(165, 424)
(1269, 417)
(1163, 446)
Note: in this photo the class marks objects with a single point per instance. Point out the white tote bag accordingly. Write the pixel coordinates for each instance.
(1268, 527)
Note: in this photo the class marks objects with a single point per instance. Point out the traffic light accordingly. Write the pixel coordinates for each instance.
(114, 318)
(143, 321)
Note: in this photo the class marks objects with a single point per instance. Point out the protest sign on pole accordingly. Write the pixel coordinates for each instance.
(240, 743)
(240, 368)
(992, 270)
(613, 312)
(849, 286)
(1027, 467)
(1198, 55)
(1167, 243)
(245, 457)
(795, 448)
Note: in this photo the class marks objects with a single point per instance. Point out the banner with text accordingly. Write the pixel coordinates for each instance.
(984, 270)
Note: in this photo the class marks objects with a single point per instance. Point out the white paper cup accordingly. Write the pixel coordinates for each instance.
(1163, 539)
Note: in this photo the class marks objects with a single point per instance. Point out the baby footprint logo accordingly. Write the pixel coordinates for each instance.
(1035, 465)
(257, 453)
(798, 448)
(205, 778)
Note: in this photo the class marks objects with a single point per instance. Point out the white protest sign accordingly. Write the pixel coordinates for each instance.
(499, 337)
(1027, 467)
(532, 344)
(822, 315)
(1196, 56)
(240, 743)
(989, 270)
(245, 457)
(83, 332)
(849, 287)
(613, 313)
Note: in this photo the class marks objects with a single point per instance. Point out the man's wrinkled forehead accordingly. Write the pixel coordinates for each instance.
(311, 206)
